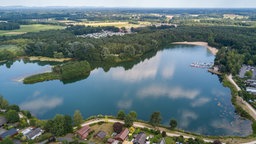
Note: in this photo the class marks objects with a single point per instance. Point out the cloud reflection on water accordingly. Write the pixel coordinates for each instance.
(144, 70)
(237, 126)
(124, 104)
(40, 105)
(156, 91)
(186, 117)
(200, 102)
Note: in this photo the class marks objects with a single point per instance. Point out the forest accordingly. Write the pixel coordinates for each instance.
(237, 44)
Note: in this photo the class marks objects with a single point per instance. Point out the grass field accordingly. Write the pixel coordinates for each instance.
(116, 24)
(29, 28)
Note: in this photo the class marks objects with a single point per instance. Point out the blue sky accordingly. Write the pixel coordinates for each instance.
(137, 3)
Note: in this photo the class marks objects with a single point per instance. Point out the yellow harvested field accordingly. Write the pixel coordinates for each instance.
(116, 24)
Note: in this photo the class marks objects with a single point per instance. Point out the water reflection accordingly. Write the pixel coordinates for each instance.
(38, 105)
(144, 70)
(186, 118)
(156, 91)
(124, 104)
(200, 102)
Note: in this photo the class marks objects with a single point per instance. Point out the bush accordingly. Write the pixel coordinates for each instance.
(254, 127)
(117, 127)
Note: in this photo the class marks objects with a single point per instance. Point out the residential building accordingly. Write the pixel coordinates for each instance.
(9, 133)
(83, 132)
(123, 135)
(34, 133)
(140, 138)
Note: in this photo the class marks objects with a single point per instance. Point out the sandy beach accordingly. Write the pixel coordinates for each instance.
(39, 58)
(213, 50)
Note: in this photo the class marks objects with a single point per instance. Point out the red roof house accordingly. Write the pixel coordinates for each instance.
(83, 132)
(123, 135)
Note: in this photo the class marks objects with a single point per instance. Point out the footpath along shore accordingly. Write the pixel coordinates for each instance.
(213, 50)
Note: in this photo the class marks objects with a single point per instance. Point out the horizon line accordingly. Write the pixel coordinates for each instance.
(128, 7)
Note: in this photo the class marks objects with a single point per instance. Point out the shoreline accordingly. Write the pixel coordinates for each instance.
(213, 50)
(21, 78)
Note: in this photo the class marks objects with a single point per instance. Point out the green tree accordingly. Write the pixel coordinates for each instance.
(155, 118)
(254, 127)
(59, 125)
(78, 118)
(128, 121)
(3, 103)
(248, 74)
(12, 116)
(14, 107)
(133, 114)
(121, 115)
(173, 123)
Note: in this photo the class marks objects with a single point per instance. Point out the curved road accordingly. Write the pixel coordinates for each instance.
(143, 125)
(250, 108)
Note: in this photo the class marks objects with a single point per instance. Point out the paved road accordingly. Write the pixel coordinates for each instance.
(143, 125)
(253, 111)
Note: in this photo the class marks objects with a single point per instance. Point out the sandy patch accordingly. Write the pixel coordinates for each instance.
(213, 50)
(39, 58)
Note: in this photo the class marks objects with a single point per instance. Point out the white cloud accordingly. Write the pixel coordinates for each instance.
(36, 93)
(156, 91)
(144, 70)
(124, 104)
(41, 105)
(199, 102)
(186, 117)
(168, 71)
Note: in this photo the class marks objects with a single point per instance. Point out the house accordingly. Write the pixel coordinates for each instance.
(101, 134)
(34, 133)
(8, 133)
(27, 130)
(3, 121)
(140, 138)
(123, 135)
(83, 132)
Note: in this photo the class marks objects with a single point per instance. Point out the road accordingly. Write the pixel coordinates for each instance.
(143, 125)
(250, 108)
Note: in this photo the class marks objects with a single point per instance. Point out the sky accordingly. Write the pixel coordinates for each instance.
(135, 3)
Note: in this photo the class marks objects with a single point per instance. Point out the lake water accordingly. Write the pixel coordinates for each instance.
(164, 82)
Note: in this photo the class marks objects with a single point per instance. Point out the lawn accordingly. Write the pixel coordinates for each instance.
(29, 28)
(106, 127)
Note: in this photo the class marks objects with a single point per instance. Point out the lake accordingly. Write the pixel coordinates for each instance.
(164, 82)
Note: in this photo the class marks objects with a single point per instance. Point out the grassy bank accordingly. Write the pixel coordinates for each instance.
(41, 77)
(234, 98)
(67, 72)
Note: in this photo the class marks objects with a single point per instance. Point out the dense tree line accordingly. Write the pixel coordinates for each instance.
(237, 44)
(9, 26)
